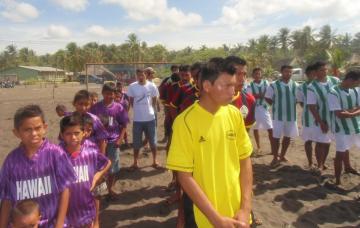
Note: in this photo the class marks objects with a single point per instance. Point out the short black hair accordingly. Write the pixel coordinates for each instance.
(174, 67)
(109, 87)
(309, 69)
(26, 112)
(235, 60)
(88, 120)
(75, 119)
(81, 95)
(353, 75)
(197, 68)
(317, 65)
(24, 208)
(139, 70)
(184, 68)
(283, 67)
(94, 94)
(212, 70)
(60, 108)
(256, 69)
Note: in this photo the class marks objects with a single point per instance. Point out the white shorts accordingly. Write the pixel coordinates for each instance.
(315, 134)
(262, 118)
(345, 142)
(284, 128)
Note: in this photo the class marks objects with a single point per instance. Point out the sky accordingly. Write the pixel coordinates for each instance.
(48, 25)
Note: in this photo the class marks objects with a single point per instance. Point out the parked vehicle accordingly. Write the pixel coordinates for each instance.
(7, 84)
(91, 79)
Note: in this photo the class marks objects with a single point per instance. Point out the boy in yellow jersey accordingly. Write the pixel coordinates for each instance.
(210, 150)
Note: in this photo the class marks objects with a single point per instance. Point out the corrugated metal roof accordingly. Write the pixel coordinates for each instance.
(42, 69)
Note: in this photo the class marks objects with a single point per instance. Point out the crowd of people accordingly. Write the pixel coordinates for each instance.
(210, 109)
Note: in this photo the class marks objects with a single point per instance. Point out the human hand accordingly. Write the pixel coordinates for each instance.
(225, 222)
(243, 217)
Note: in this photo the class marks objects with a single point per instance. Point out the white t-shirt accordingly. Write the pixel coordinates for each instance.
(143, 94)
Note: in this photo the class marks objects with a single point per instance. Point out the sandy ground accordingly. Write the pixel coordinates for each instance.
(288, 196)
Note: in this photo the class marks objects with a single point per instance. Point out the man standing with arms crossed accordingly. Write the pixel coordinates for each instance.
(210, 150)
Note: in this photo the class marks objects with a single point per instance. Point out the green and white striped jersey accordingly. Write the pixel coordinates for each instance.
(318, 93)
(344, 99)
(307, 119)
(259, 88)
(283, 97)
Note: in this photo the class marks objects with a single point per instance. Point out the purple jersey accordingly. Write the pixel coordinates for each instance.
(99, 131)
(115, 116)
(86, 164)
(41, 178)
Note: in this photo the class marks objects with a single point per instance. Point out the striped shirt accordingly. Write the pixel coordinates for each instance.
(86, 164)
(307, 118)
(344, 99)
(317, 95)
(43, 177)
(283, 97)
(259, 89)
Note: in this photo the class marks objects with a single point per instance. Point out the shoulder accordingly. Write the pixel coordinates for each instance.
(12, 157)
(90, 147)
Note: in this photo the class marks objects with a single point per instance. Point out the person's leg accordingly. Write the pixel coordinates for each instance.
(284, 146)
(113, 154)
(137, 142)
(151, 132)
(325, 153)
(270, 136)
(347, 166)
(308, 151)
(339, 159)
(275, 150)
(257, 138)
(97, 209)
(318, 155)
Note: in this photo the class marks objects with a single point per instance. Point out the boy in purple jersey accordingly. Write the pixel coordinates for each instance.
(89, 165)
(117, 118)
(82, 103)
(94, 98)
(36, 169)
(26, 213)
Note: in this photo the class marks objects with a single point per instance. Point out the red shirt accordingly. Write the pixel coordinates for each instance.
(247, 99)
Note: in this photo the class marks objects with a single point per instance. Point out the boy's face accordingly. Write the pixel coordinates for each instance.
(117, 96)
(321, 72)
(73, 136)
(31, 132)
(222, 90)
(108, 96)
(94, 100)
(185, 75)
(60, 113)
(257, 75)
(82, 106)
(28, 221)
(88, 128)
(286, 73)
(140, 76)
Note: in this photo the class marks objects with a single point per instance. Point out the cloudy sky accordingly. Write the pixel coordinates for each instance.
(48, 25)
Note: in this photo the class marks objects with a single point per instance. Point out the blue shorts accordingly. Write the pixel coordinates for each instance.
(113, 153)
(149, 128)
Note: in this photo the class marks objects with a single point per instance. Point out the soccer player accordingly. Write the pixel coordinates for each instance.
(143, 95)
(89, 165)
(117, 120)
(94, 98)
(210, 150)
(121, 96)
(163, 95)
(82, 104)
(281, 94)
(243, 100)
(307, 118)
(26, 213)
(61, 110)
(318, 91)
(262, 115)
(36, 169)
(344, 101)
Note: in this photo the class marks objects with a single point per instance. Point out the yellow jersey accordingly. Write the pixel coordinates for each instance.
(210, 146)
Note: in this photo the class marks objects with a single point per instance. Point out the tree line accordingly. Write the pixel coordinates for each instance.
(299, 47)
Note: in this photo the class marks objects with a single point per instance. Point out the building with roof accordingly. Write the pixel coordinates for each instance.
(25, 73)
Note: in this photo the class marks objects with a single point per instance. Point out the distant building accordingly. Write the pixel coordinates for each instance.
(25, 73)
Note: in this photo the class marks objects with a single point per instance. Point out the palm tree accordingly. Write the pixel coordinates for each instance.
(134, 45)
(284, 39)
(327, 37)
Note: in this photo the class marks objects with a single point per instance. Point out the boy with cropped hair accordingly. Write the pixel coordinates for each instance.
(36, 169)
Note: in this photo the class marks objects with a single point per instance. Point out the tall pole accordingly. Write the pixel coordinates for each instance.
(86, 77)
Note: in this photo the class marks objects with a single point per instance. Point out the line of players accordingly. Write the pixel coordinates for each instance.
(330, 109)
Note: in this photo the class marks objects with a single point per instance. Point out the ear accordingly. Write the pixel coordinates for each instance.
(206, 86)
(45, 127)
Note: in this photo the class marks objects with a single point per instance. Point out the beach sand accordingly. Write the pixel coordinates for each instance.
(287, 196)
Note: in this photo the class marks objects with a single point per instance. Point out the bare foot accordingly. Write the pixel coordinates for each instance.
(283, 159)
